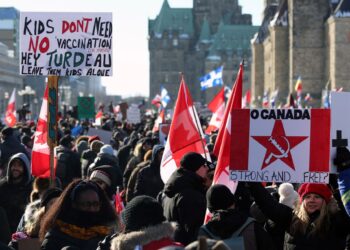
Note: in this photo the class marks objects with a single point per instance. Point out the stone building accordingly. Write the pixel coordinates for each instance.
(306, 38)
(196, 41)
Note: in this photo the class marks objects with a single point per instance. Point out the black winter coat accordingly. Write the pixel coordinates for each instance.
(225, 222)
(56, 240)
(184, 202)
(70, 168)
(283, 216)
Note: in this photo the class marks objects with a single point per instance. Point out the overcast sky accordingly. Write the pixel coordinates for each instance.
(130, 21)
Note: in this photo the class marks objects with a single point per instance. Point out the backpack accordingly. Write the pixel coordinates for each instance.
(236, 241)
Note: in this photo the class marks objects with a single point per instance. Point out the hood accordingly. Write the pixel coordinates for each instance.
(155, 151)
(183, 179)
(24, 159)
(225, 222)
(130, 241)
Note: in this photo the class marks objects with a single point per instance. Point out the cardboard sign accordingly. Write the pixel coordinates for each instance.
(66, 44)
(133, 114)
(285, 145)
(340, 128)
(86, 107)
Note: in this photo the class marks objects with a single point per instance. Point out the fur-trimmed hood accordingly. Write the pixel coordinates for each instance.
(130, 240)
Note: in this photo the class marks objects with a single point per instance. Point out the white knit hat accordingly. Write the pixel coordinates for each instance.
(288, 196)
(107, 149)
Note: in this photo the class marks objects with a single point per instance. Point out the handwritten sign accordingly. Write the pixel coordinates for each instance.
(66, 44)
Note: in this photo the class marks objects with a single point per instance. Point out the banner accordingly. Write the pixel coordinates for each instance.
(86, 107)
(280, 145)
(66, 44)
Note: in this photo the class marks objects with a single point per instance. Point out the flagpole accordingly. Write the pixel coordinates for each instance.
(52, 108)
(196, 122)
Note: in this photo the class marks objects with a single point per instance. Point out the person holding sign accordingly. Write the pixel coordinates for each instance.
(314, 224)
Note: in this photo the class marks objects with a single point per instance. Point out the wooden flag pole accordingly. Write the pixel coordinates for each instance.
(52, 109)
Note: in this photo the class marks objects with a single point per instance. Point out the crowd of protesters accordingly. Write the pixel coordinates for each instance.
(78, 210)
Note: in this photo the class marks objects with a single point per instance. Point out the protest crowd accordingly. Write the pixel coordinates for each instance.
(111, 196)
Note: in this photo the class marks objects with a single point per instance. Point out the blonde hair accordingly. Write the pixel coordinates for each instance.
(320, 226)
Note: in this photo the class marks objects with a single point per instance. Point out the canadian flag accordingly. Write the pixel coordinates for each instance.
(185, 134)
(246, 99)
(217, 106)
(158, 121)
(10, 116)
(280, 145)
(223, 141)
(41, 150)
(98, 118)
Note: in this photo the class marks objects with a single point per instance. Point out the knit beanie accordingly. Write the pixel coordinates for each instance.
(107, 149)
(102, 176)
(320, 189)
(288, 196)
(141, 212)
(96, 146)
(192, 161)
(219, 197)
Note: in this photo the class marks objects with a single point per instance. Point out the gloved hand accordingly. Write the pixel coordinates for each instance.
(342, 159)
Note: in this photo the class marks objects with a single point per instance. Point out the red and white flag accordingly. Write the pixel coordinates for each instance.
(159, 120)
(280, 145)
(119, 204)
(10, 116)
(98, 118)
(217, 106)
(246, 99)
(185, 134)
(41, 150)
(157, 100)
(223, 141)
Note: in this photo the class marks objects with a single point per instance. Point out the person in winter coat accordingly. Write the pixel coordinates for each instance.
(81, 217)
(129, 190)
(148, 180)
(88, 156)
(314, 225)
(227, 219)
(141, 148)
(106, 157)
(145, 226)
(68, 163)
(183, 197)
(15, 189)
(9, 146)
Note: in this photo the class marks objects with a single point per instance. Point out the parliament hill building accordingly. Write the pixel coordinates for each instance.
(306, 38)
(197, 40)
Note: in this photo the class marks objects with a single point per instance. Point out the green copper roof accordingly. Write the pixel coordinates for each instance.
(205, 36)
(170, 19)
(233, 37)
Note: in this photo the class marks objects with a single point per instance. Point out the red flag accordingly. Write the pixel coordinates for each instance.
(10, 116)
(158, 121)
(98, 118)
(119, 204)
(217, 106)
(157, 100)
(234, 102)
(41, 150)
(222, 175)
(185, 134)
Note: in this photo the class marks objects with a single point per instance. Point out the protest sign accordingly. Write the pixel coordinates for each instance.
(340, 128)
(86, 107)
(133, 114)
(284, 145)
(66, 44)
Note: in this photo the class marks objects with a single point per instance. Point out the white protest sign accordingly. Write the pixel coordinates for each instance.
(66, 44)
(280, 145)
(340, 125)
(133, 114)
